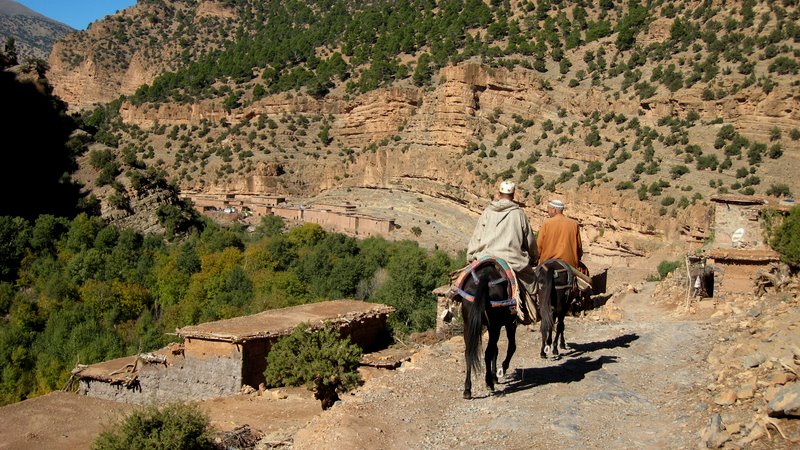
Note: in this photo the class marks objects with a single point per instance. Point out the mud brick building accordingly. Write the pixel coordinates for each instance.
(218, 358)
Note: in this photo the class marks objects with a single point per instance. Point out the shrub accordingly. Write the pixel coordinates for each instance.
(175, 426)
(321, 360)
(779, 190)
(786, 238)
(678, 171)
(665, 267)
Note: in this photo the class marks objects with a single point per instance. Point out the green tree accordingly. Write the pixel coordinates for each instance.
(270, 226)
(630, 24)
(423, 71)
(321, 360)
(786, 238)
(14, 236)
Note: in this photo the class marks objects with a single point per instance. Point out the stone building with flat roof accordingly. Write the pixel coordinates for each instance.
(218, 358)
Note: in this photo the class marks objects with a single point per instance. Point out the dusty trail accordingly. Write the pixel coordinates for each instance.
(629, 383)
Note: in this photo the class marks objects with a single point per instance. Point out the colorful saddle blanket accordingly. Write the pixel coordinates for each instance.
(459, 293)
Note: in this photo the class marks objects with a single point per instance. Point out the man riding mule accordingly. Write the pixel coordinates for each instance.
(503, 231)
(559, 237)
(560, 273)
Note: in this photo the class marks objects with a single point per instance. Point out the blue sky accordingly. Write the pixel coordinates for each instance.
(77, 13)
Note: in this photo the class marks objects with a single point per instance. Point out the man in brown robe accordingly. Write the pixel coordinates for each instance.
(559, 237)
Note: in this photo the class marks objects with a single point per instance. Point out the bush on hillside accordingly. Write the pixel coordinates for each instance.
(321, 360)
(665, 267)
(172, 427)
(786, 238)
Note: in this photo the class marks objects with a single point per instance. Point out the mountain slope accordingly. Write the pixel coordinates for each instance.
(34, 33)
(636, 114)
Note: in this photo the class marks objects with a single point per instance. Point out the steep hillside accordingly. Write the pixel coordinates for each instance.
(635, 113)
(34, 34)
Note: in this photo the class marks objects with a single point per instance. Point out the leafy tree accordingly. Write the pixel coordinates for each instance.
(412, 277)
(423, 71)
(321, 360)
(779, 190)
(630, 24)
(270, 225)
(678, 171)
(14, 236)
(324, 135)
(786, 238)
(306, 235)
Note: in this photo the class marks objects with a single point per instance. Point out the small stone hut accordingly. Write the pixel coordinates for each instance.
(735, 269)
(218, 358)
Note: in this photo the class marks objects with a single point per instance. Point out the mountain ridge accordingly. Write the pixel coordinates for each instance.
(34, 33)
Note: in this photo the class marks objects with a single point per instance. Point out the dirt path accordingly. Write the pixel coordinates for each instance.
(629, 383)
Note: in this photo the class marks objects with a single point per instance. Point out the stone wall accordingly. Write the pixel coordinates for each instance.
(210, 369)
(731, 217)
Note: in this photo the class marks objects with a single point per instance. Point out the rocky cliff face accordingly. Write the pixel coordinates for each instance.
(427, 131)
(117, 55)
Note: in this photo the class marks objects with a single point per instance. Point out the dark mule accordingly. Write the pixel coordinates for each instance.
(556, 292)
(489, 285)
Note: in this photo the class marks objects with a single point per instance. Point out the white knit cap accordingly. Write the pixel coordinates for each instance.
(557, 204)
(507, 187)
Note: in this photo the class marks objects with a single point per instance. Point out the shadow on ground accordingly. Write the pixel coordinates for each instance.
(574, 368)
(619, 341)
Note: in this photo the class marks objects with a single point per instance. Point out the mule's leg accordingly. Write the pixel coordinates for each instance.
(468, 382)
(560, 332)
(490, 358)
(511, 335)
(547, 340)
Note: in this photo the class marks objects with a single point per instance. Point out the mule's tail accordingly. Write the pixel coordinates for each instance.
(473, 327)
(546, 286)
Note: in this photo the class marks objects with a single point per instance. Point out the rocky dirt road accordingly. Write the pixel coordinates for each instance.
(628, 383)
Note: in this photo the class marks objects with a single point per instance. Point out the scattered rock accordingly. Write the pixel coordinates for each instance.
(753, 360)
(771, 392)
(755, 312)
(783, 378)
(786, 402)
(756, 432)
(714, 435)
(279, 395)
(727, 397)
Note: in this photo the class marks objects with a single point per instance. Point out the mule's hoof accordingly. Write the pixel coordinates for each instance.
(543, 355)
(467, 395)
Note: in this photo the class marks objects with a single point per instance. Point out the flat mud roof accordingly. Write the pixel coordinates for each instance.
(742, 255)
(281, 322)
